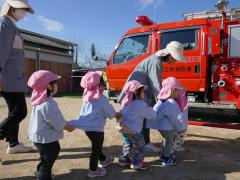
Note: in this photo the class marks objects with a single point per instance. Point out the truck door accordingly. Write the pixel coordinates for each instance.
(130, 52)
(193, 73)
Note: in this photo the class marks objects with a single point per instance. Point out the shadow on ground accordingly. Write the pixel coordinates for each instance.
(208, 159)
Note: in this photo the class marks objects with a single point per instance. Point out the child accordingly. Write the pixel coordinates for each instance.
(46, 122)
(134, 111)
(169, 119)
(95, 110)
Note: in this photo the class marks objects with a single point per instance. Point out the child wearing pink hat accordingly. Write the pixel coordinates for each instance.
(182, 103)
(95, 110)
(170, 117)
(134, 111)
(46, 122)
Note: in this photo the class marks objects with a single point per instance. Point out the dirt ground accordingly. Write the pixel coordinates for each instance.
(211, 154)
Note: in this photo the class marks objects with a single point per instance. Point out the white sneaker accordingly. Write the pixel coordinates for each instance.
(98, 173)
(103, 164)
(20, 148)
(179, 148)
(152, 148)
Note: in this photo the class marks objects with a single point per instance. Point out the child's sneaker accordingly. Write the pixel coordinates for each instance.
(140, 166)
(124, 162)
(167, 161)
(98, 173)
(179, 149)
(103, 164)
(152, 148)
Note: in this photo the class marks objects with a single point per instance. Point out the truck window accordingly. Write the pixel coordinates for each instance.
(234, 44)
(130, 48)
(187, 37)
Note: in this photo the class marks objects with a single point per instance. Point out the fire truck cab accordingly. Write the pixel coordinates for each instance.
(211, 41)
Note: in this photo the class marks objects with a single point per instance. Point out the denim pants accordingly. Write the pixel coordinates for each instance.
(179, 139)
(138, 147)
(17, 111)
(48, 153)
(127, 145)
(167, 142)
(96, 139)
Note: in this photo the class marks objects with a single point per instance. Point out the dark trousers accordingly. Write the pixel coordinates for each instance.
(146, 133)
(17, 111)
(96, 139)
(48, 153)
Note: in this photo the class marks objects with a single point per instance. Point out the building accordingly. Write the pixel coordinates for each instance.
(77, 75)
(48, 53)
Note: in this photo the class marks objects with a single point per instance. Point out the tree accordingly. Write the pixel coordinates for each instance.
(91, 57)
(93, 51)
(75, 66)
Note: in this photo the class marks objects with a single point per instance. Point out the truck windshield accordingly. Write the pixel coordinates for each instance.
(187, 37)
(130, 48)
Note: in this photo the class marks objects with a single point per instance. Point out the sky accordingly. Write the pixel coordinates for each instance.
(103, 22)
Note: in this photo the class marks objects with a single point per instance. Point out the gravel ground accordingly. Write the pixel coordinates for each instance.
(211, 153)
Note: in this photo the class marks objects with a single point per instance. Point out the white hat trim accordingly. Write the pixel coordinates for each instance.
(5, 8)
(162, 53)
(176, 54)
(20, 4)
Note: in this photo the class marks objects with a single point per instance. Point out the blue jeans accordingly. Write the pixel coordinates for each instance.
(167, 142)
(127, 145)
(137, 148)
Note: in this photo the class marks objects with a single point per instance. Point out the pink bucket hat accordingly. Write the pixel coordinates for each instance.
(39, 82)
(129, 88)
(90, 82)
(167, 85)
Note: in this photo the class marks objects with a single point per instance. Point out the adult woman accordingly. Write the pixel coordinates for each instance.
(12, 80)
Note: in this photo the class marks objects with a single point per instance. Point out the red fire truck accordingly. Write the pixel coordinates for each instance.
(211, 41)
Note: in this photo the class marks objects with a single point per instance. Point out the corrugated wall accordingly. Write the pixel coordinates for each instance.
(64, 70)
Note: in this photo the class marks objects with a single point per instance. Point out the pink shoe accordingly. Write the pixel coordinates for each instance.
(124, 162)
(140, 166)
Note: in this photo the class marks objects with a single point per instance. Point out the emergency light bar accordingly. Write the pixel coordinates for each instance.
(213, 14)
(144, 21)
